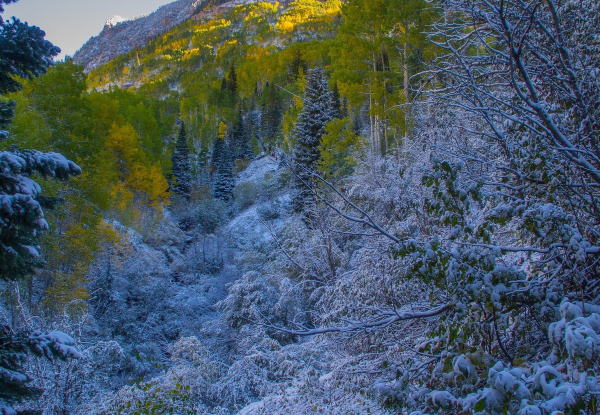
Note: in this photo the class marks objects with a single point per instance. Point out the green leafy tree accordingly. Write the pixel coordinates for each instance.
(382, 49)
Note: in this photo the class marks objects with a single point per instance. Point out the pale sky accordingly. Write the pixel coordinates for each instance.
(69, 23)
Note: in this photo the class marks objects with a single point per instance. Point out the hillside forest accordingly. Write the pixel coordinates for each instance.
(306, 207)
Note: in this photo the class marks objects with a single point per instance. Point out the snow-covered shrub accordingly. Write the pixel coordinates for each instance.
(245, 195)
(269, 211)
(210, 214)
(166, 233)
(256, 297)
(513, 237)
(182, 389)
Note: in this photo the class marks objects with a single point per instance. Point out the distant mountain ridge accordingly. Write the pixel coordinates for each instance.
(119, 37)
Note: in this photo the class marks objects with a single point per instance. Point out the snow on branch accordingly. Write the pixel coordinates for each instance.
(381, 320)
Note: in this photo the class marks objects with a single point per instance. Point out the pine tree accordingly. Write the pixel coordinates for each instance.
(271, 115)
(24, 53)
(232, 81)
(182, 178)
(202, 172)
(344, 108)
(6, 114)
(297, 66)
(317, 112)
(222, 163)
(240, 139)
(336, 102)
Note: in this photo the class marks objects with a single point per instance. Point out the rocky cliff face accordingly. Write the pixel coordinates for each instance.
(118, 37)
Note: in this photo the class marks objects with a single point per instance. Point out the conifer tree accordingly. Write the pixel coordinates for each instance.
(23, 53)
(240, 139)
(232, 81)
(272, 109)
(202, 169)
(336, 102)
(181, 166)
(222, 163)
(317, 112)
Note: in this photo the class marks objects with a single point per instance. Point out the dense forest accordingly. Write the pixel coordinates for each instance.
(306, 207)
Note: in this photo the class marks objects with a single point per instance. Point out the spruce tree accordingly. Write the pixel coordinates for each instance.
(232, 85)
(336, 102)
(182, 178)
(24, 53)
(317, 112)
(271, 116)
(222, 163)
(202, 169)
(240, 139)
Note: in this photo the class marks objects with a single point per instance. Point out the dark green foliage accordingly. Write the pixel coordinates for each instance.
(14, 348)
(7, 111)
(298, 65)
(272, 109)
(211, 214)
(336, 102)
(317, 112)
(21, 215)
(23, 53)
(232, 85)
(240, 139)
(222, 164)
(182, 178)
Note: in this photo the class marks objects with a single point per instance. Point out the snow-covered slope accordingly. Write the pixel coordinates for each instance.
(119, 36)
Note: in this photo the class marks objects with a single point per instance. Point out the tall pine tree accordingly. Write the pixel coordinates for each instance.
(240, 139)
(222, 164)
(318, 110)
(24, 53)
(337, 103)
(182, 177)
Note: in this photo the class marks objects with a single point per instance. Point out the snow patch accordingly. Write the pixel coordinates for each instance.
(258, 169)
(113, 21)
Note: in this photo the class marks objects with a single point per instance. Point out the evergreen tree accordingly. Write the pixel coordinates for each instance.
(232, 85)
(222, 163)
(202, 173)
(23, 53)
(182, 178)
(344, 108)
(240, 139)
(317, 112)
(336, 102)
(6, 114)
(272, 113)
(298, 65)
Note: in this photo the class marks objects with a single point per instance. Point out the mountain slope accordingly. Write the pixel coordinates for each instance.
(116, 39)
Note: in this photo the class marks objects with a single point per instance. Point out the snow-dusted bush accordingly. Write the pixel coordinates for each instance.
(210, 214)
(182, 389)
(269, 211)
(256, 297)
(245, 195)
